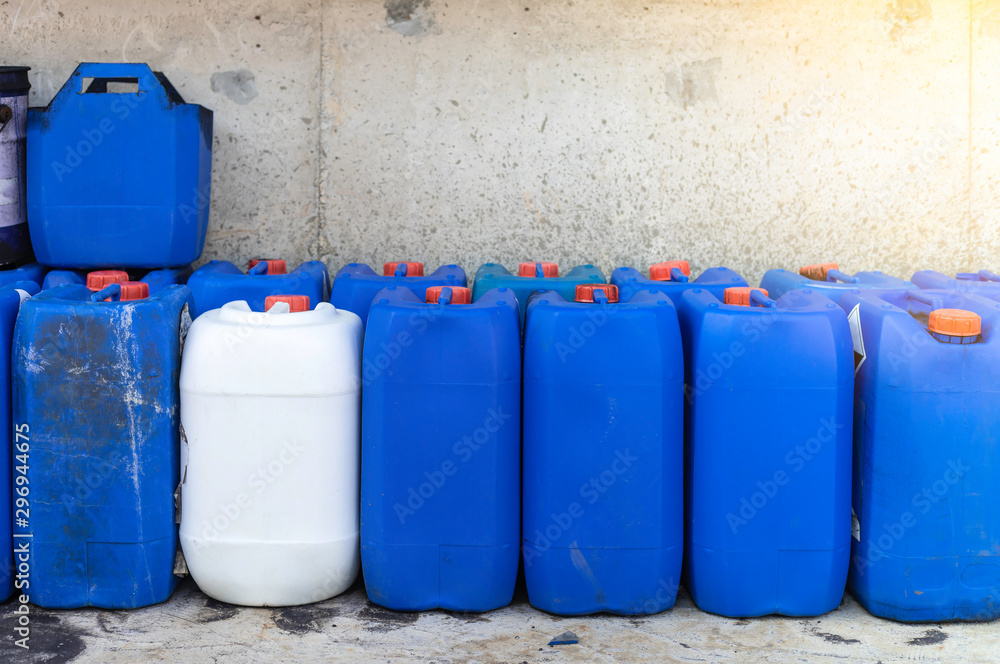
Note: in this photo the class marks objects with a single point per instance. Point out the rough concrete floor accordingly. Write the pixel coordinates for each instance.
(192, 628)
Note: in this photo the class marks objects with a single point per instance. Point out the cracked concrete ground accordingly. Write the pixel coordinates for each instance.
(191, 628)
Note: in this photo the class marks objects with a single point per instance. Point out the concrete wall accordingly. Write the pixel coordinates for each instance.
(757, 134)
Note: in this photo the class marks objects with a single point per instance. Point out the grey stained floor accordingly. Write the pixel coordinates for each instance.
(193, 628)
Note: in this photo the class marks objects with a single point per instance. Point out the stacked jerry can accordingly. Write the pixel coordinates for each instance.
(440, 469)
(926, 464)
(357, 284)
(270, 408)
(768, 454)
(219, 282)
(117, 196)
(95, 399)
(603, 459)
(11, 450)
(826, 279)
(672, 277)
(532, 277)
(119, 172)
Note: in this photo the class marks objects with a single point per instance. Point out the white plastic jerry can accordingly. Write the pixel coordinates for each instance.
(270, 459)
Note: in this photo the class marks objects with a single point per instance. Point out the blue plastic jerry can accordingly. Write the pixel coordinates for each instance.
(603, 452)
(219, 282)
(826, 279)
(533, 276)
(29, 272)
(357, 284)
(11, 296)
(672, 277)
(95, 403)
(441, 457)
(119, 171)
(769, 391)
(983, 282)
(157, 279)
(926, 544)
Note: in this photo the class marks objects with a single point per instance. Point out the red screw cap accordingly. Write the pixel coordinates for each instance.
(134, 290)
(585, 292)
(954, 322)
(818, 271)
(740, 295)
(661, 271)
(412, 269)
(295, 303)
(459, 294)
(549, 270)
(100, 278)
(274, 265)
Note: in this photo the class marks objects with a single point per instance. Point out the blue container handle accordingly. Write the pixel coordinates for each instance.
(757, 297)
(147, 80)
(986, 275)
(113, 291)
(259, 269)
(837, 275)
(919, 296)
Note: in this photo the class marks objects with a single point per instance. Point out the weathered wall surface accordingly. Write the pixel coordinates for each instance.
(754, 135)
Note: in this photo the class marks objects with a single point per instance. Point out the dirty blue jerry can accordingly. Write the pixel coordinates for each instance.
(219, 282)
(357, 284)
(603, 452)
(533, 276)
(768, 454)
(671, 277)
(826, 279)
(441, 457)
(95, 400)
(983, 282)
(118, 177)
(28, 272)
(11, 296)
(926, 544)
(157, 279)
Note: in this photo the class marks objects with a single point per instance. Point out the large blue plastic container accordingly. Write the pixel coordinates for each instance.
(29, 272)
(356, 284)
(219, 282)
(768, 456)
(157, 279)
(440, 461)
(826, 279)
(10, 300)
(603, 453)
(672, 277)
(984, 282)
(926, 541)
(95, 394)
(533, 277)
(118, 178)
